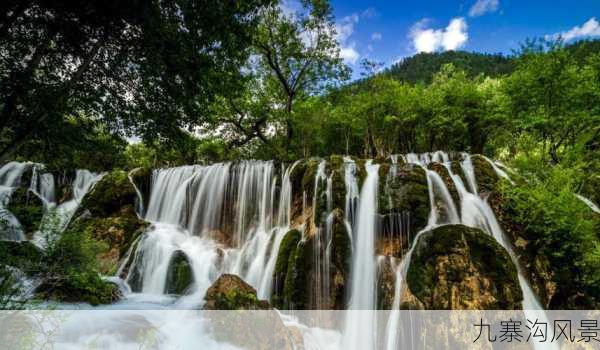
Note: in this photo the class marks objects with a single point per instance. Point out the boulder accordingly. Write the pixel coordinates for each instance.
(458, 267)
(229, 292)
(255, 325)
(179, 275)
(110, 194)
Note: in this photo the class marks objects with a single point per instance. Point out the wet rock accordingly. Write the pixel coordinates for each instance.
(341, 255)
(229, 292)
(86, 288)
(142, 177)
(458, 267)
(485, 175)
(180, 276)
(297, 279)
(109, 195)
(386, 282)
(404, 192)
(117, 232)
(286, 249)
(254, 325)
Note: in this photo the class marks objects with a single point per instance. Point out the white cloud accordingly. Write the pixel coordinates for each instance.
(481, 7)
(453, 37)
(588, 29)
(349, 54)
(376, 36)
(345, 29)
(369, 13)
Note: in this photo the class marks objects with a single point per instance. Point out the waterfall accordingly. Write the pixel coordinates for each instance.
(57, 217)
(501, 173)
(139, 200)
(10, 178)
(352, 194)
(191, 207)
(43, 186)
(359, 334)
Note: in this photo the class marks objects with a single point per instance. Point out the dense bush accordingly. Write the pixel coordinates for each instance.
(560, 227)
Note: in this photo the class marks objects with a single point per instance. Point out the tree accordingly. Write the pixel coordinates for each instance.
(298, 55)
(148, 68)
(552, 96)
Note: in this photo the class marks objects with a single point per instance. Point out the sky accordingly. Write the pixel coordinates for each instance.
(387, 31)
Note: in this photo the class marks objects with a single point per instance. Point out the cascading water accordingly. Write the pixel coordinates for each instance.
(57, 217)
(189, 207)
(10, 178)
(357, 333)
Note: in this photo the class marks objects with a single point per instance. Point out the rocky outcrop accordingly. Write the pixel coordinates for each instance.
(108, 214)
(287, 247)
(180, 276)
(458, 267)
(404, 196)
(254, 326)
(229, 292)
(486, 176)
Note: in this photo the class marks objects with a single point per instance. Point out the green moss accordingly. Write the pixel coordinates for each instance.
(80, 286)
(341, 245)
(295, 289)
(485, 175)
(179, 275)
(286, 249)
(405, 192)
(110, 194)
(229, 292)
(490, 260)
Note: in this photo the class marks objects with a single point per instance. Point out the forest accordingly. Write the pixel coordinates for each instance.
(164, 85)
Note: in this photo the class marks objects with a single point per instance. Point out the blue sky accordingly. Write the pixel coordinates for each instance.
(387, 31)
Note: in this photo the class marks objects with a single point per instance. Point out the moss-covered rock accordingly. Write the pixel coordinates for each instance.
(404, 192)
(296, 286)
(485, 175)
(117, 231)
(180, 276)
(341, 259)
(110, 194)
(27, 208)
(229, 292)
(458, 267)
(142, 178)
(386, 283)
(86, 287)
(256, 327)
(286, 248)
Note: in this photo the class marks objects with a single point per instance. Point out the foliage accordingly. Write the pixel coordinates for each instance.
(149, 68)
(422, 67)
(558, 226)
(70, 270)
